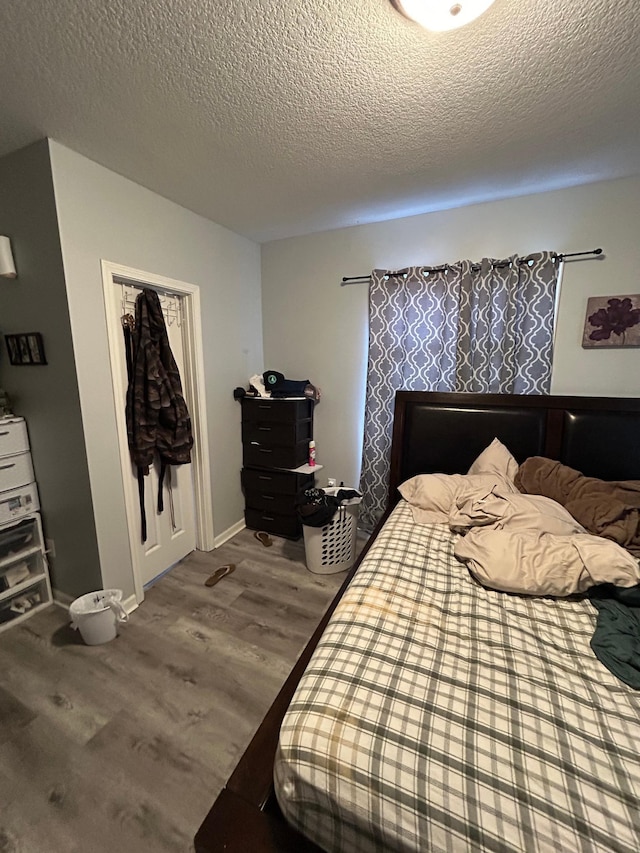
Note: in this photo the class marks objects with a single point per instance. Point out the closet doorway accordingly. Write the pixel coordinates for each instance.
(187, 521)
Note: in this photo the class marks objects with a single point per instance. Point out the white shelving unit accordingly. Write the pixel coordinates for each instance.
(25, 588)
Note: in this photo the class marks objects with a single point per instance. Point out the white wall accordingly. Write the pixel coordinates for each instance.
(104, 216)
(315, 329)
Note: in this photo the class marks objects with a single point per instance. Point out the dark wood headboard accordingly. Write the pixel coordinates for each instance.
(437, 432)
(432, 432)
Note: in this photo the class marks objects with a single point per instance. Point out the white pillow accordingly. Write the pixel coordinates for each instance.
(432, 496)
(434, 492)
(496, 459)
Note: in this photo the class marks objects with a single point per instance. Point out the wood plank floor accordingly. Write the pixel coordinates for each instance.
(124, 746)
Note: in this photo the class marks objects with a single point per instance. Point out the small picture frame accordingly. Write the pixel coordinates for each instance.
(25, 348)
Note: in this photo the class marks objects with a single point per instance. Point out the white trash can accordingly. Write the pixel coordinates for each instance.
(332, 548)
(97, 615)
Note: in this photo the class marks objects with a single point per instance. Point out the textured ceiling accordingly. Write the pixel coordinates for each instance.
(276, 117)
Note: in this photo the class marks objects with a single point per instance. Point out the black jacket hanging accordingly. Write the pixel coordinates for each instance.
(157, 417)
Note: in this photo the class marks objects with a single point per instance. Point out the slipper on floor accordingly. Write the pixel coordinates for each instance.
(220, 573)
(263, 537)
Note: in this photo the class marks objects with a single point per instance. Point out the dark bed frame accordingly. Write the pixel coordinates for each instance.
(432, 432)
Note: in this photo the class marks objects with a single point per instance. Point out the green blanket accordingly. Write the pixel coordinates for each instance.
(616, 641)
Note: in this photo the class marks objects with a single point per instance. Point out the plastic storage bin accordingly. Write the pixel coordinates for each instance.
(332, 548)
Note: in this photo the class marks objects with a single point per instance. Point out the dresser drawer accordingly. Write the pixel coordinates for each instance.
(15, 471)
(273, 522)
(18, 541)
(13, 437)
(14, 503)
(29, 597)
(256, 409)
(275, 457)
(276, 432)
(271, 502)
(276, 482)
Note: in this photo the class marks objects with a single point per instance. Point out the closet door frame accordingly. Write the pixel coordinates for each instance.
(113, 275)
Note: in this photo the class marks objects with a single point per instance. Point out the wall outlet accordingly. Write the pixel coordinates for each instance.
(331, 481)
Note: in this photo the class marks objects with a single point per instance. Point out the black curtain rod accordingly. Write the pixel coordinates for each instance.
(397, 273)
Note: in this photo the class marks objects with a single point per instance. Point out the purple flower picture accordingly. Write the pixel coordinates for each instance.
(612, 321)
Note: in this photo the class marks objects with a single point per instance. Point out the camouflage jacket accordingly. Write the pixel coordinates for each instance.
(157, 417)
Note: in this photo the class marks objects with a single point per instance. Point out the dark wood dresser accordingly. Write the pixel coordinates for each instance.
(275, 441)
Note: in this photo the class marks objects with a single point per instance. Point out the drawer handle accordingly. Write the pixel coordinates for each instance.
(268, 518)
(263, 406)
(265, 450)
(262, 477)
(268, 497)
(6, 432)
(264, 429)
(5, 467)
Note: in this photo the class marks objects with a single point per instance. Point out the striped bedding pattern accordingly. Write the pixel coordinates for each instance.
(436, 716)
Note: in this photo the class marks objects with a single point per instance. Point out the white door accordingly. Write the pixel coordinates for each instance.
(171, 535)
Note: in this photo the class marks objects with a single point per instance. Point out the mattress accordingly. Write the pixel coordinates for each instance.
(436, 715)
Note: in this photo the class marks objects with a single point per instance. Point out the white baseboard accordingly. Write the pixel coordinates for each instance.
(229, 533)
(63, 600)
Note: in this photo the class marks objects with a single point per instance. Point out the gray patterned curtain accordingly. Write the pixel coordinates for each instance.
(485, 328)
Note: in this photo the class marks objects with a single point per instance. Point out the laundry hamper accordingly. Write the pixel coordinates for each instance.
(332, 548)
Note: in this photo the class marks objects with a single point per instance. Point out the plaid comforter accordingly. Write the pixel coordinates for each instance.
(438, 716)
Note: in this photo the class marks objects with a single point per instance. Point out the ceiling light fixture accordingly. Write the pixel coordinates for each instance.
(441, 15)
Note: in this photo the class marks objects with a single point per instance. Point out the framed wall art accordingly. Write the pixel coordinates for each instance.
(27, 348)
(612, 321)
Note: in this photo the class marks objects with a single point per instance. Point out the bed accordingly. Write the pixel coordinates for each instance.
(462, 719)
